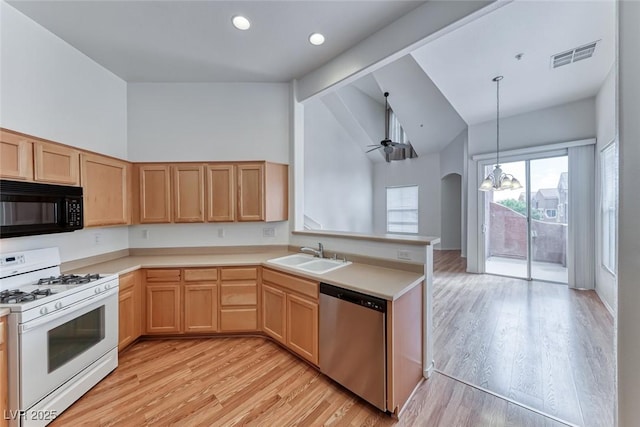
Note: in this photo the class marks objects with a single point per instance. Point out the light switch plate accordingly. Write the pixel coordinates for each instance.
(404, 254)
(269, 232)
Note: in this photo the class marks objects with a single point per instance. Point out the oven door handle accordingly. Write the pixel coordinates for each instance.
(48, 318)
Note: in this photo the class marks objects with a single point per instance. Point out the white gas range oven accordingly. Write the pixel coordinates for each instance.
(62, 334)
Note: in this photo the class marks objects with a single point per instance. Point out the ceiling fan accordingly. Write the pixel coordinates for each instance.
(387, 145)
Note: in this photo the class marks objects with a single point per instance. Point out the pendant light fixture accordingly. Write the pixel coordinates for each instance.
(498, 180)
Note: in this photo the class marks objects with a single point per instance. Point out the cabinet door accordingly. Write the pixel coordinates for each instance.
(155, 194)
(16, 157)
(163, 304)
(56, 164)
(126, 318)
(221, 194)
(188, 193)
(200, 308)
(4, 382)
(273, 312)
(250, 192)
(302, 327)
(105, 184)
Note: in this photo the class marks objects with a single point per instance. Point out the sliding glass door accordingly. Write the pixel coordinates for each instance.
(525, 230)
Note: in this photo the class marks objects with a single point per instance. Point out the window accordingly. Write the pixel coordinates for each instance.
(551, 213)
(402, 209)
(609, 173)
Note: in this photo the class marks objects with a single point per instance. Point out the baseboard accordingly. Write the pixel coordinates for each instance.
(605, 303)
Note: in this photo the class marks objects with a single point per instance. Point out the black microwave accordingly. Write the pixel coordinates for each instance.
(29, 208)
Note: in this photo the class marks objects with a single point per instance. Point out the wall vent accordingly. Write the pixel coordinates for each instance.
(573, 55)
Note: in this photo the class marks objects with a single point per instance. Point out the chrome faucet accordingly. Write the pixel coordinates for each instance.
(316, 252)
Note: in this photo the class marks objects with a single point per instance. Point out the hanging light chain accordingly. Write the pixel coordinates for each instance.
(497, 80)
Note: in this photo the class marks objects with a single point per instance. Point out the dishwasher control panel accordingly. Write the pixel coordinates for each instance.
(368, 301)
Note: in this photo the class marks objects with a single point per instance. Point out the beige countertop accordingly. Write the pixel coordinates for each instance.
(384, 283)
(4, 312)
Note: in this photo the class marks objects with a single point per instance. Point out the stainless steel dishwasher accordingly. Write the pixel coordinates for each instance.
(353, 342)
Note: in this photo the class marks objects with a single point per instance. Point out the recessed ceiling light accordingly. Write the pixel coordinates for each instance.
(316, 39)
(240, 22)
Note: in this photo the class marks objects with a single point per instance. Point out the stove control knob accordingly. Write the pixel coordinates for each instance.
(97, 290)
(44, 310)
(58, 305)
(107, 286)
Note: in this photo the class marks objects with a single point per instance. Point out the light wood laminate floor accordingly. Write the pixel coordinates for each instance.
(541, 344)
(252, 381)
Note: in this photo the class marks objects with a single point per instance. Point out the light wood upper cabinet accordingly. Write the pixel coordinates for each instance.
(16, 156)
(221, 193)
(154, 193)
(251, 192)
(262, 192)
(106, 183)
(188, 193)
(56, 164)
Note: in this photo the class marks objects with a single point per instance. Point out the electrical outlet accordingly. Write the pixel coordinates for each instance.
(145, 234)
(221, 232)
(269, 232)
(404, 254)
(97, 239)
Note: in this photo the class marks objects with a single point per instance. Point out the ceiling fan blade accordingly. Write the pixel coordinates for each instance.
(373, 145)
(373, 149)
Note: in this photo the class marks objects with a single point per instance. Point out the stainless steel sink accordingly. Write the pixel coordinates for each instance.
(309, 263)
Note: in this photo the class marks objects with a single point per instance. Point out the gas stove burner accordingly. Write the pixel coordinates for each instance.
(41, 292)
(68, 279)
(15, 296)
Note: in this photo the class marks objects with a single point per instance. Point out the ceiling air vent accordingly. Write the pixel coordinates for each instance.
(573, 55)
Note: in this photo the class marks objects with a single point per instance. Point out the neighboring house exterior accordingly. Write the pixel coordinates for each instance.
(546, 202)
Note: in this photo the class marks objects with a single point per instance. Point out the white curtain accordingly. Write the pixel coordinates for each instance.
(581, 257)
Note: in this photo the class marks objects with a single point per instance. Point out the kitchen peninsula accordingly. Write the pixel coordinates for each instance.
(168, 292)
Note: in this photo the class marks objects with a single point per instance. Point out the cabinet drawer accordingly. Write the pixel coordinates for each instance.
(126, 281)
(201, 274)
(239, 294)
(161, 275)
(238, 319)
(239, 273)
(293, 283)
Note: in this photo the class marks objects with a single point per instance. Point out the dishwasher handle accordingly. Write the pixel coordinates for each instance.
(367, 301)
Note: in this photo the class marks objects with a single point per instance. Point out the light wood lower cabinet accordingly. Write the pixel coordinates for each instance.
(130, 309)
(163, 301)
(105, 183)
(16, 156)
(239, 299)
(4, 382)
(290, 312)
(302, 327)
(200, 300)
(274, 312)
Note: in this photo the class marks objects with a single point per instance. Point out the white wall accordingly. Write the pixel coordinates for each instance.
(423, 171)
(338, 176)
(606, 123)
(629, 236)
(51, 90)
(567, 122)
(452, 158)
(208, 121)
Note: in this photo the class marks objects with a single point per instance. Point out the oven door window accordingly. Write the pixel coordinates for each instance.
(27, 213)
(74, 337)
